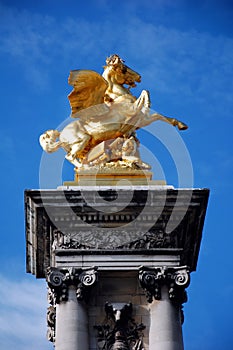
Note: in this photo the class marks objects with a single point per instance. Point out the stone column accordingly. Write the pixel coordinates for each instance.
(67, 315)
(165, 291)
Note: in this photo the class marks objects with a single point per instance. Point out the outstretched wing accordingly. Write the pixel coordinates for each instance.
(89, 89)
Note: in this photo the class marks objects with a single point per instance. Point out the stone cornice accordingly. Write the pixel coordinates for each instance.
(128, 220)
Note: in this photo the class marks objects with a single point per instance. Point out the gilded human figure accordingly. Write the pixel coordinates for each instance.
(106, 117)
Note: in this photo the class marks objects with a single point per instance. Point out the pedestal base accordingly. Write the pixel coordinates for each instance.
(120, 176)
(126, 235)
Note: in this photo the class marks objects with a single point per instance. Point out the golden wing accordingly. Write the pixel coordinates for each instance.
(89, 89)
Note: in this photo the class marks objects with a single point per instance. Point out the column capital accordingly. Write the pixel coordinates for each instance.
(176, 279)
(60, 279)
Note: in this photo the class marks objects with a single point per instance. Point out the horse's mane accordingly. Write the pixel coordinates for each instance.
(121, 73)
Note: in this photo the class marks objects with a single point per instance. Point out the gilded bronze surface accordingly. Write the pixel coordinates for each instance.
(107, 115)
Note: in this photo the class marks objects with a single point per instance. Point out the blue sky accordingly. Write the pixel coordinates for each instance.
(184, 52)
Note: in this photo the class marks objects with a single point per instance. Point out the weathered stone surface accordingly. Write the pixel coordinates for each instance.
(137, 221)
(117, 260)
(165, 324)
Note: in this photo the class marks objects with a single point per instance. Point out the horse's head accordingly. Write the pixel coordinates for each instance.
(120, 72)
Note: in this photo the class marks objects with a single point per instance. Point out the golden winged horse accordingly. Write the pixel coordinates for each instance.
(104, 110)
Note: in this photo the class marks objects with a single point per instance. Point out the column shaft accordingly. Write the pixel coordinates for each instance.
(71, 323)
(165, 326)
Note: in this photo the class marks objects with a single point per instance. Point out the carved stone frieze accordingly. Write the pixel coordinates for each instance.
(129, 218)
(176, 278)
(95, 238)
(113, 238)
(120, 331)
(153, 239)
(66, 241)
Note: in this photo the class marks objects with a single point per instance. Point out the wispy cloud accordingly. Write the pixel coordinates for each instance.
(23, 314)
(191, 64)
(7, 145)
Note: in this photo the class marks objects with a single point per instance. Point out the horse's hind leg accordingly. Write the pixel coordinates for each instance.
(176, 122)
(172, 121)
(76, 148)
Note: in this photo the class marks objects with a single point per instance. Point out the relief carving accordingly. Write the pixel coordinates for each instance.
(120, 331)
(65, 241)
(150, 240)
(113, 238)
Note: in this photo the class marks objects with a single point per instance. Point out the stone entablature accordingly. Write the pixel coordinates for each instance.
(146, 221)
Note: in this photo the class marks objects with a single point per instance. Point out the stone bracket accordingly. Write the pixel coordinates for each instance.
(98, 221)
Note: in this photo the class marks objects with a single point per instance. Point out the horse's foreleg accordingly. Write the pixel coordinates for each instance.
(143, 102)
(172, 121)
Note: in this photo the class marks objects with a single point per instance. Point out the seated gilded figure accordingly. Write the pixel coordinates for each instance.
(107, 116)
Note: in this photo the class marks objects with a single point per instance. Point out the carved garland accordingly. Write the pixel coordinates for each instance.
(153, 239)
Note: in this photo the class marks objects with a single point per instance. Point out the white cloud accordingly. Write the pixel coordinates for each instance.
(196, 66)
(23, 315)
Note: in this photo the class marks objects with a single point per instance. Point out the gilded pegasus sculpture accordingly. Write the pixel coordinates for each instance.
(107, 116)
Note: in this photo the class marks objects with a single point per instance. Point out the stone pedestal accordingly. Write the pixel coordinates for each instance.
(117, 261)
